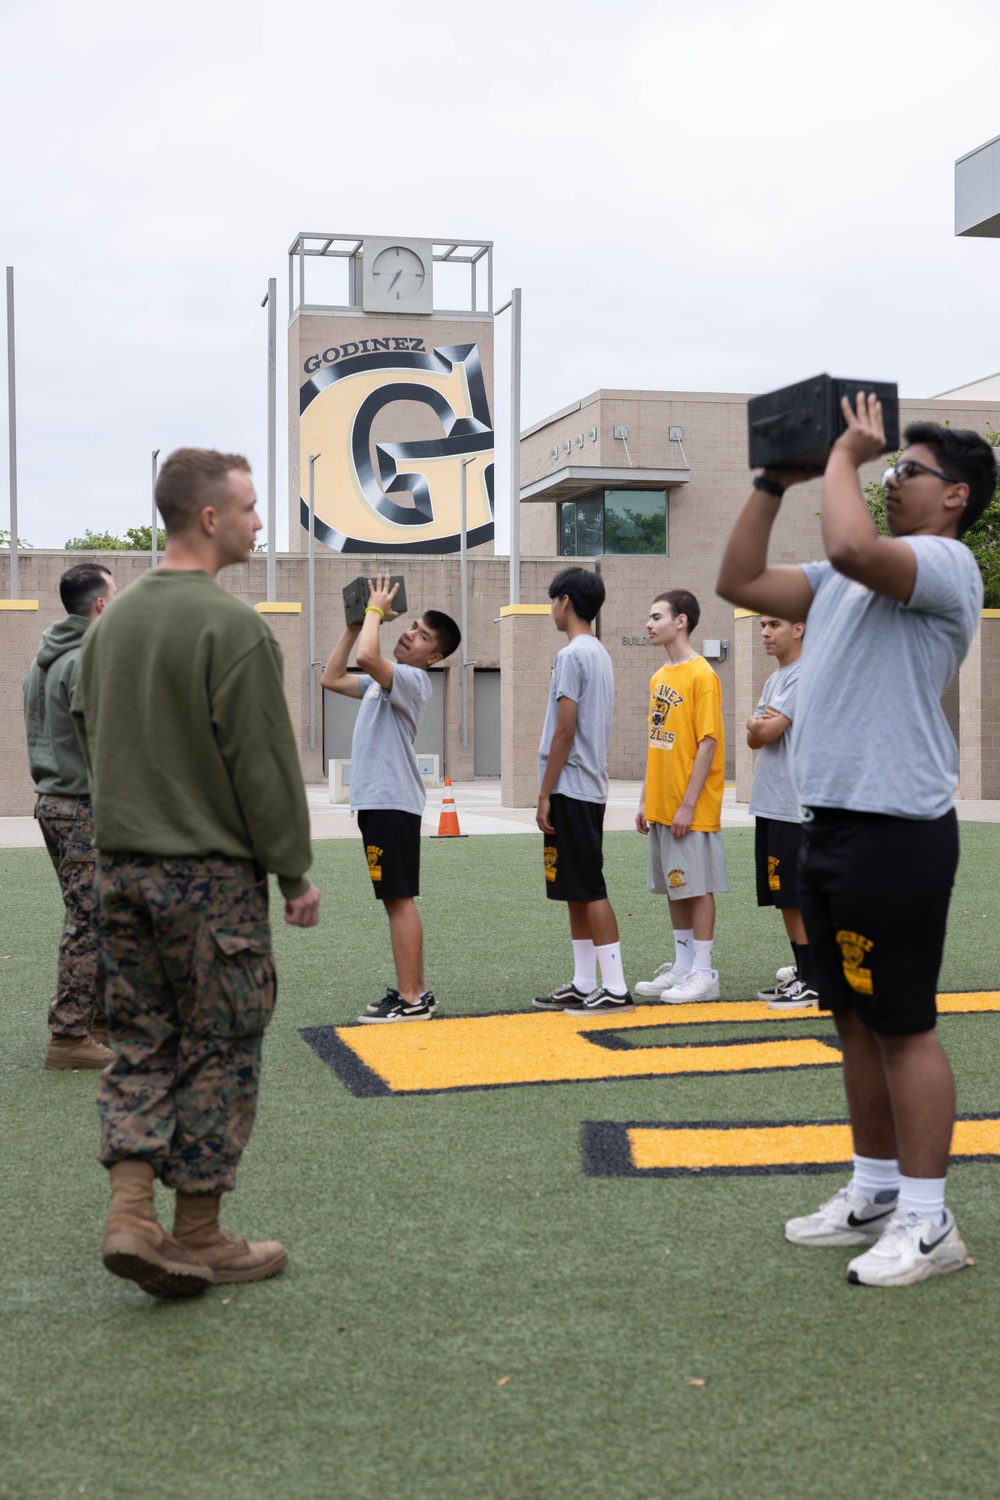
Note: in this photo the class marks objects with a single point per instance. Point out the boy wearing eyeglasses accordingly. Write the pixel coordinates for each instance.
(890, 620)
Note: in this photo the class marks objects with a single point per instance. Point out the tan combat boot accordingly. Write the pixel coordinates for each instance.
(99, 1031)
(137, 1248)
(77, 1052)
(229, 1257)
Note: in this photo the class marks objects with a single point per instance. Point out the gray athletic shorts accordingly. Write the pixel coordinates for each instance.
(687, 867)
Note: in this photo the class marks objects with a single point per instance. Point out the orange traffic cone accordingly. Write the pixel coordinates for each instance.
(448, 822)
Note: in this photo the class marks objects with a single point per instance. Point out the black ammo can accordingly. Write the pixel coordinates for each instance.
(796, 427)
(356, 598)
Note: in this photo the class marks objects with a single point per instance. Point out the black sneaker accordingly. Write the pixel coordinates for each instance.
(600, 1002)
(566, 994)
(377, 1007)
(794, 996)
(393, 1008)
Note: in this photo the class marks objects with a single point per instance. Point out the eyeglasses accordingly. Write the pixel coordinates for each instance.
(905, 470)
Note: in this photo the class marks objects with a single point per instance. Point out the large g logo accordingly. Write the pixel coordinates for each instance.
(357, 509)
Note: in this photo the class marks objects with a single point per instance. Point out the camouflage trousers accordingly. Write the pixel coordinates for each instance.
(190, 988)
(67, 826)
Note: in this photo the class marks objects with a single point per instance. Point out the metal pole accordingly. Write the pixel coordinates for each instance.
(515, 446)
(464, 583)
(312, 599)
(271, 303)
(154, 539)
(12, 434)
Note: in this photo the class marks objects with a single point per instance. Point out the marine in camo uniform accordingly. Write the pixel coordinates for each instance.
(197, 794)
(78, 1028)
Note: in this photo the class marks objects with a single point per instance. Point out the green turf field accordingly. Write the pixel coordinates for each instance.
(466, 1313)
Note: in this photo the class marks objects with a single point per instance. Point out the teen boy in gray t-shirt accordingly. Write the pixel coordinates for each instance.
(386, 790)
(774, 803)
(889, 622)
(573, 791)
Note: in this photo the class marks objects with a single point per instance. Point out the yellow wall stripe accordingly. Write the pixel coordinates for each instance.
(19, 604)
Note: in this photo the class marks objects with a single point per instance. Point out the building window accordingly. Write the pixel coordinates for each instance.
(614, 521)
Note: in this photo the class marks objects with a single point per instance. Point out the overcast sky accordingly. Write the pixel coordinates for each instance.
(713, 195)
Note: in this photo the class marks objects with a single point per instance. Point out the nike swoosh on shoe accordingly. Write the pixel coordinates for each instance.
(857, 1223)
(926, 1249)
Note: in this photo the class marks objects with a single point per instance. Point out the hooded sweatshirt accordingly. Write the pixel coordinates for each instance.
(54, 754)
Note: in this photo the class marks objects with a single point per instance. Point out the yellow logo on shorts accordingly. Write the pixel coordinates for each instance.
(853, 948)
(676, 879)
(550, 856)
(374, 854)
(773, 878)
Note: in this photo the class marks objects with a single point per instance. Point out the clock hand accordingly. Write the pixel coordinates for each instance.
(392, 283)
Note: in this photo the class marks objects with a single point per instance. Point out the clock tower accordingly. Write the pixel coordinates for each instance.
(392, 384)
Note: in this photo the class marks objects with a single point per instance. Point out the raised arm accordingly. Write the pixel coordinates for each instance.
(379, 608)
(335, 676)
(887, 565)
(745, 578)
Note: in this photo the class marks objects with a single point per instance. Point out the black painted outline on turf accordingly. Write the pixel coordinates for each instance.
(365, 1083)
(606, 1151)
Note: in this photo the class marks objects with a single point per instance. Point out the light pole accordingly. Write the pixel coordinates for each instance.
(464, 583)
(271, 303)
(154, 539)
(12, 434)
(312, 599)
(515, 441)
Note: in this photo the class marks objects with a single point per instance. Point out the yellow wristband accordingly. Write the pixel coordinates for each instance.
(373, 609)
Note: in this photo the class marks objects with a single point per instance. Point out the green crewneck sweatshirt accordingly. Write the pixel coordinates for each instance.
(54, 755)
(181, 714)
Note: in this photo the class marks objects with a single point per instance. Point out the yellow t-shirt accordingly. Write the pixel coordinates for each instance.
(685, 707)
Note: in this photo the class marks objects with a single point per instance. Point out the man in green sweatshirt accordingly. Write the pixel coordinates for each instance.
(197, 793)
(78, 1027)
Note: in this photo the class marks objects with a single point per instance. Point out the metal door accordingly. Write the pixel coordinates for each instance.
(486, 709)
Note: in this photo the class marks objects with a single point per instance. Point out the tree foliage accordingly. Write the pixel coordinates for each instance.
(136, 539)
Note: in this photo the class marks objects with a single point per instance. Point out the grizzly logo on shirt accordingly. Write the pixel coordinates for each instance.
(664, 699)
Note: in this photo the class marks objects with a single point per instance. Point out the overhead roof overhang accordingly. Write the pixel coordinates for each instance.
(570, 483)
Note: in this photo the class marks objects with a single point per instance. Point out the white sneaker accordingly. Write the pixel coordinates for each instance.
(665, 976)
(911, 1249)
(794, 996)
(787, 974)
(845, 1219)
(691, 985)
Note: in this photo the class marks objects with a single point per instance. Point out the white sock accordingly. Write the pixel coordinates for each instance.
(923, 1196)
(875, 1176)
(612, 974)
(703, 956)
(584, 965)
(683, 948)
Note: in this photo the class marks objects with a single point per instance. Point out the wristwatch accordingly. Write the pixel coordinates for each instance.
(769, 486)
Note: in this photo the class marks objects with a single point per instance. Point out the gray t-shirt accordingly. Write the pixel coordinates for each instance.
(383, 761)
(773, 793)
(871, 735)
(583, 672)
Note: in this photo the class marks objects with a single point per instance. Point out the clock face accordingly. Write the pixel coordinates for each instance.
(397, 273)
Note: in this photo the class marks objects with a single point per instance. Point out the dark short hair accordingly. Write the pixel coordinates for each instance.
(80, 587)
(585, 590)
(966, 456)
(448, 635)
(190, 479)
(682, 602)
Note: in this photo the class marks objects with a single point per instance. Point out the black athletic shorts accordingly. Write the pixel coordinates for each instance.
(776, 849)
(392, 847)
(874, 895)
(574, 857)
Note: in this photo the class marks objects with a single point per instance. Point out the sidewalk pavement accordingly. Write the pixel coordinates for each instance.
(478, 806)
